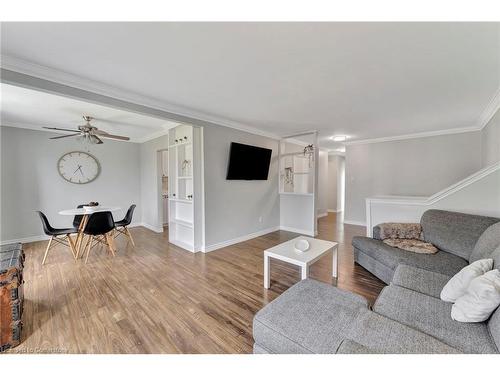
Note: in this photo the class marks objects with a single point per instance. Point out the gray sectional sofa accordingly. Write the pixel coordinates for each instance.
(408, 316)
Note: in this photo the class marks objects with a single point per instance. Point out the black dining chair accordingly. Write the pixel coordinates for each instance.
(78, 218)
(98, 229)
(55, 236)
(122, 225)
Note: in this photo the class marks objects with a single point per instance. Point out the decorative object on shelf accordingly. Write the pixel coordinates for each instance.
(301, 245)
(78, 167)
(88, 133)
(309, 153)
(190, 196)
(288, 176)
(186, 167)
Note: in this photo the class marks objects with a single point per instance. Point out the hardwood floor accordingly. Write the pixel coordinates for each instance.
(158, 298)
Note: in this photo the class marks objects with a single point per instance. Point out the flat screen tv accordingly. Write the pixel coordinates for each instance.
(248, 162)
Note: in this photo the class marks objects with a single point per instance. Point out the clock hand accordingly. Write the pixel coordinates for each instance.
(79, 167)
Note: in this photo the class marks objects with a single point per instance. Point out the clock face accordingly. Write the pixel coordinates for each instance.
(78, 167)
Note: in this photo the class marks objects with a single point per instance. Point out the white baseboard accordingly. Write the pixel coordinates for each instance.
(322, 215)
(352, 222)
(296, 230)
(334, 211)
(233, 241)
(148, 226)
(42, 237)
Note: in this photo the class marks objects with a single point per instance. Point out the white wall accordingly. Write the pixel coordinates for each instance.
(233, 208)
(340, 183)
(152, 216)
(490, 141)
(323, 184)
(412, 167)
(30, 181)
(336, 177)
(478, 194)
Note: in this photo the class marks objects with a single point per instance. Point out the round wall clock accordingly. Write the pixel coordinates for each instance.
(78, 167)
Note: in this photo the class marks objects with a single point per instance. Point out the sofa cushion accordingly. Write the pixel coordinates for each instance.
(381, 334)
(433, 317)
(486, 244)
(310, 317)
(494, 327)
(441, 262)
(454, 232)
(352, 347)
(420, 280)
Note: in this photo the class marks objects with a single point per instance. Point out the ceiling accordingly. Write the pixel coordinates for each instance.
(32, 109)
(364, 80)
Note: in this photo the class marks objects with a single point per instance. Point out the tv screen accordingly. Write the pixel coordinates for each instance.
(248, 162)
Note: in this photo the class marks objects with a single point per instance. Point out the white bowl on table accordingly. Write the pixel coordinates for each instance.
(301, 245)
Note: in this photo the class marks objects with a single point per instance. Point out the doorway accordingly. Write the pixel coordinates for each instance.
(163, 186)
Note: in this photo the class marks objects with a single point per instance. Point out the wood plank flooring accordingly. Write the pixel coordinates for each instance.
(158, 298)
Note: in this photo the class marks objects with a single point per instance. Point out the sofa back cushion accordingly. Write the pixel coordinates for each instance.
(494, 322)
(454, 232)
(487, 243)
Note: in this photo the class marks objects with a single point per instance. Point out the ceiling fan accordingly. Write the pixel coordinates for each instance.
(88, 133)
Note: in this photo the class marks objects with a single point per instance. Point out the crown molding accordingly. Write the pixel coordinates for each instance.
(489, 111)
(413, 136)
(483, 120)
(61, 77)
(54, 75)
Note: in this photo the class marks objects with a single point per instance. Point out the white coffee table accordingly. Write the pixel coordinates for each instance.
(287, 253)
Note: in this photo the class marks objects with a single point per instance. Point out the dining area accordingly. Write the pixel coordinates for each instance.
(92, 225)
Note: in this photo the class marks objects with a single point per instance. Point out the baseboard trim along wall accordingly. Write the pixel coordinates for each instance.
(322, 215)
(236, 240)
(43, 237)
(352, 222)
(296, 230)
(148, 226)
(334, 211)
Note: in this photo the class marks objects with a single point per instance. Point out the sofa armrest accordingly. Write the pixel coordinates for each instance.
(420, 280)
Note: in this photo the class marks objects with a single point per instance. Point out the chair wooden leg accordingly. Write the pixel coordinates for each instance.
(130, 236)
(89, 246)
(71, 246)
(110, 243)
(47, 250)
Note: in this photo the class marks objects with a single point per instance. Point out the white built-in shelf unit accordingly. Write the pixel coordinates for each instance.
(186, 208)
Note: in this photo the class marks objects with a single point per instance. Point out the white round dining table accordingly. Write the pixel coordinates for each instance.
(85, 217)
(83, 211)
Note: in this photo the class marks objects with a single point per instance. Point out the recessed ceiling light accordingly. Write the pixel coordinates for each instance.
(339, 138)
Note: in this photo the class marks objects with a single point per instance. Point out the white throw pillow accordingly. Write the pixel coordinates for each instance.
(458, 284)
(480, 300)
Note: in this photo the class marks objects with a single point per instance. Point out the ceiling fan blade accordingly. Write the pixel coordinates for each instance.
(96, 139)
(115, 137)
(64, 130)
(64, 136)
(100, 132)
